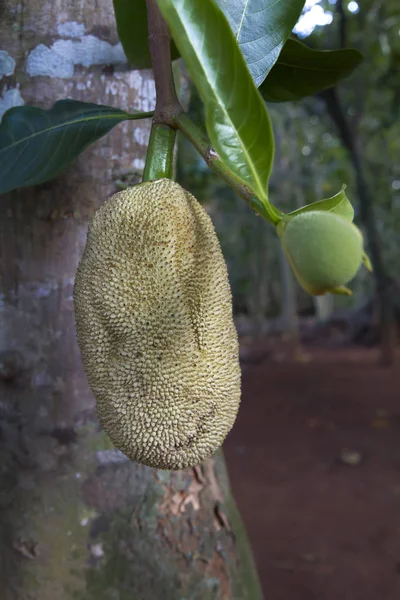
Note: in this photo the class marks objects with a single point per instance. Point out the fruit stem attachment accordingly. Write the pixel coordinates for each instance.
(264, 208)
(167, 103)
(160, 153)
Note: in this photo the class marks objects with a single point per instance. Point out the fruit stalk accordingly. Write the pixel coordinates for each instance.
(160, 153)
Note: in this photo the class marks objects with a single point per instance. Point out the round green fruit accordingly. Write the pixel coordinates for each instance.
(324, 249)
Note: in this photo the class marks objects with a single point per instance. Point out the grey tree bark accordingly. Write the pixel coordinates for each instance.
(77, 520)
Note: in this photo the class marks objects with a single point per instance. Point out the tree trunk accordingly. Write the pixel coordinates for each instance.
(385, 289)
(78, 519)
(290, 321)
(323, 307)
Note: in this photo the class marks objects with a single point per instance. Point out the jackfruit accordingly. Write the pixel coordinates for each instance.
(154, 323)
(324, 249)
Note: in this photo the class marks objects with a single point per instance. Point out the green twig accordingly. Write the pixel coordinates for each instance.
(202, 145)
(160, 153)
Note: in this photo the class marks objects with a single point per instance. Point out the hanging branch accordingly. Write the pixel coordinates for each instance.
(167, 103)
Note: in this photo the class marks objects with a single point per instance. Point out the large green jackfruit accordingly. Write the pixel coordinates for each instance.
(154, 322)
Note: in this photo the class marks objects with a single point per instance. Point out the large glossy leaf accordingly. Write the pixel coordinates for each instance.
(36, 144)
(261, 27)
(236, 118)
(131, 17)
(301, 71)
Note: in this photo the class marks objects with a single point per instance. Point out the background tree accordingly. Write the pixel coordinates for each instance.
(367, 138)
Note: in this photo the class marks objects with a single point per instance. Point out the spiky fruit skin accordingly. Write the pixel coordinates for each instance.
(154, 322)
(324, 249)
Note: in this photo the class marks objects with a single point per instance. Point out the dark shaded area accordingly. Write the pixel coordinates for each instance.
(314, 460)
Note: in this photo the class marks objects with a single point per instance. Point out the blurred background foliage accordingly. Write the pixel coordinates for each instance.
(312, 161)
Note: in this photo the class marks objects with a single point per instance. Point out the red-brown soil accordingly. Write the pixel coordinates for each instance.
(321, 528)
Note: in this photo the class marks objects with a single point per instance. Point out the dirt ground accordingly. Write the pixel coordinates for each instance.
(314, 460)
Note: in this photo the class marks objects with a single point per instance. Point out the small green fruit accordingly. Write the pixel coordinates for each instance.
(324, 249)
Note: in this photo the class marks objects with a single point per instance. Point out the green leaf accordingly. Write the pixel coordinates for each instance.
(236, 117)
(131, 17)
(338, 204)
(261, 28)
(37, 144)
(301, 71)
